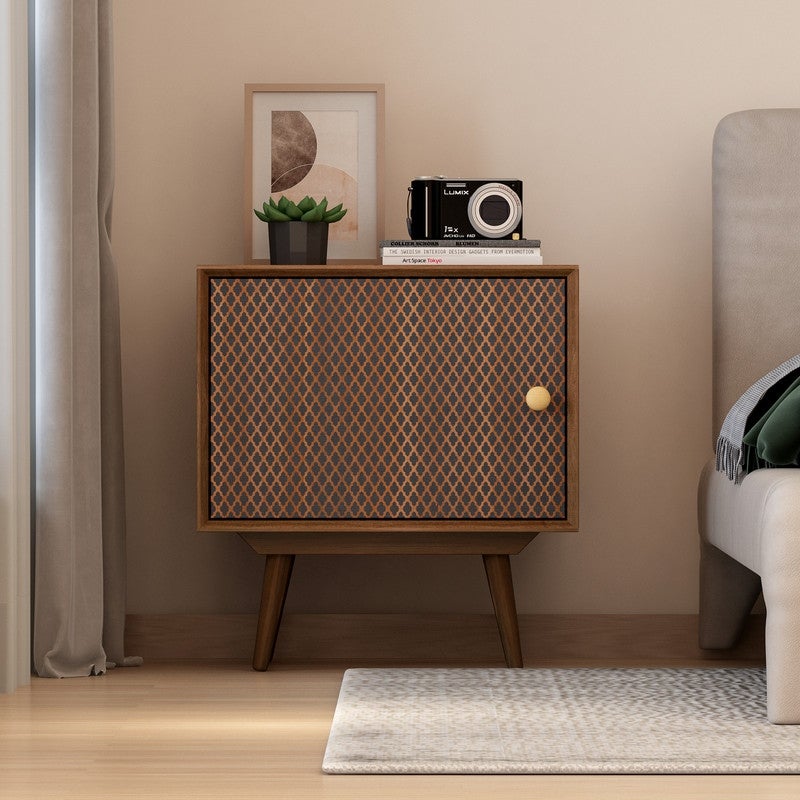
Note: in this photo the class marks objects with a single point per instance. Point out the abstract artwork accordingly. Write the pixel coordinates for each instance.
(316, 153)
(323, 141)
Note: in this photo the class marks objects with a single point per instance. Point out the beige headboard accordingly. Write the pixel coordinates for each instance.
(756, 249)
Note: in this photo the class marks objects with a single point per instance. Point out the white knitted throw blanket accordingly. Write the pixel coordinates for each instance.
(729, 442)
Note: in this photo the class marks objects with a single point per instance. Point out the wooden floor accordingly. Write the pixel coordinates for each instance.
(219, 730)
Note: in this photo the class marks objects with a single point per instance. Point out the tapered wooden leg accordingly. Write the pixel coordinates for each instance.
(501, 586)
(277, 572)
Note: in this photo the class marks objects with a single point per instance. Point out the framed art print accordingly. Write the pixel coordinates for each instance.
(321, 140)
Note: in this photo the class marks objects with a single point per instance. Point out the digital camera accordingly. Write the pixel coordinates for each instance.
(458, 208)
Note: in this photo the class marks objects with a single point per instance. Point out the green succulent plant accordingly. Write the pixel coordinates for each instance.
(307, 210)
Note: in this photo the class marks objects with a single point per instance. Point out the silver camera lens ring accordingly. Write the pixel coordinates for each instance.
(514, 206)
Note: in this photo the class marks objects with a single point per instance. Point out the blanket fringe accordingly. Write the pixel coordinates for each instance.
(729, 459)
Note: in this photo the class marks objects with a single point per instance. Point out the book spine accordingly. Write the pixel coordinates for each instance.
(491, 252)
(464, 260)
(460, 243)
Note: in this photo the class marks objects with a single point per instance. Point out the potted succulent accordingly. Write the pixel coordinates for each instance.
(298, 232)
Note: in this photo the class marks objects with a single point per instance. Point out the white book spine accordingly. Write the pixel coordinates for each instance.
(492, 252)
(469, 259)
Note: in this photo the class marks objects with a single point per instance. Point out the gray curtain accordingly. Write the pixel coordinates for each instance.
(79, 595)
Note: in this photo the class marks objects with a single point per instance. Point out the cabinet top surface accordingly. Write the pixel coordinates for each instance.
(378, 270)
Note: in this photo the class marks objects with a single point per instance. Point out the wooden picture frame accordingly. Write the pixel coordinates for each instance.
(321, 140)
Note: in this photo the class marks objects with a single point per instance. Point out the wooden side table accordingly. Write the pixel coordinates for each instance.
(367, 409)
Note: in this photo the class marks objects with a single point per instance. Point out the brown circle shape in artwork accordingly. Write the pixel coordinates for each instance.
(294, 148)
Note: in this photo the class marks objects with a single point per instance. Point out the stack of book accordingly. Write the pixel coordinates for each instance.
(461, 251)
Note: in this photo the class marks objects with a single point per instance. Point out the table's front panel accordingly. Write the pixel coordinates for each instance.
(372, 398)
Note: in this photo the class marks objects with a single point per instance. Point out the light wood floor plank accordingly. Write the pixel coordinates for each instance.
(220, 730)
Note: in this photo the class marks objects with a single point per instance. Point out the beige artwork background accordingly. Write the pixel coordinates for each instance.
(348, 160)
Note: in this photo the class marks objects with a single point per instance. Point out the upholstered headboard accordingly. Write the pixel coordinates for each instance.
(756, 249)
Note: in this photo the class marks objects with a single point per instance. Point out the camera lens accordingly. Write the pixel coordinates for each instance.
(494, 210)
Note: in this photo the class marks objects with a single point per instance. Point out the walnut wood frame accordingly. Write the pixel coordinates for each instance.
(281, 540)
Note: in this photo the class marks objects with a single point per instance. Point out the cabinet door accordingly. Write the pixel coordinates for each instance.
(362, 397)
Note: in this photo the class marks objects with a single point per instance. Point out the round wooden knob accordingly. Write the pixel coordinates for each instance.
(537, 398)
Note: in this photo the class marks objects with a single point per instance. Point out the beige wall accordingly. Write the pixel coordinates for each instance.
(606, 110)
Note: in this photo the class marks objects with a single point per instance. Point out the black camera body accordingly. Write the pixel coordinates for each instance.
(457, 208)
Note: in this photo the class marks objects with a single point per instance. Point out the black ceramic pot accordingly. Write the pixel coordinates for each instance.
(298, 242)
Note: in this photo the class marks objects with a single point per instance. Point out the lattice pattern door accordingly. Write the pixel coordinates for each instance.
(372, 398)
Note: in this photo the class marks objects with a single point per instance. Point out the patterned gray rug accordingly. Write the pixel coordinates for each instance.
(707, 720)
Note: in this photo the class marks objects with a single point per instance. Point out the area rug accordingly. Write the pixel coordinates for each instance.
(526, 721)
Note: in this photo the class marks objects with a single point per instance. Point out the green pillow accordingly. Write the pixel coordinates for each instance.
(775, 438)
